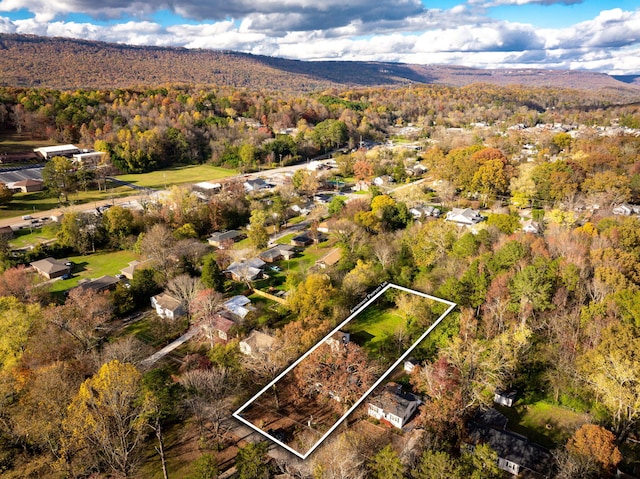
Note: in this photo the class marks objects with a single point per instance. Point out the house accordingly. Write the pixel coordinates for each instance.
(222, 238)
(531, 226)
(256, 343)
(258, 184)
(324, 227)
(28, 186)
(6, 232)
(505, 398)
(88, 159)
(57, 216)
(167, 306)
(302, 240)
(383, 180)
(208, 186)
(133, 266)
(338, 340)
(51, 268)
(322, 198)
(302, 209)
(238, 305)
(103, 283)
(625, 209)
(464, 216)
(219, 326)
(48, 152)
(247, 270)
(277, 252)
(410, 365)
(330, 259)
(393, 405)
(516, 454)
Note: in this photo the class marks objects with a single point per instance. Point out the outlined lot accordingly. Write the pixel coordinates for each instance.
(305, 403)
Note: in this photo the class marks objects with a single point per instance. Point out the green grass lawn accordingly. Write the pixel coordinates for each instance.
(29, 203)
(178, 175)
(93, 266)
(544, 423)
(33, 236)
(371, 327)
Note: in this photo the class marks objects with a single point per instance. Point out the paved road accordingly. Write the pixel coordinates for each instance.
(193, 330)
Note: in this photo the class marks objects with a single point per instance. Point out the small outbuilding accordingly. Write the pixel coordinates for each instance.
(51, 268)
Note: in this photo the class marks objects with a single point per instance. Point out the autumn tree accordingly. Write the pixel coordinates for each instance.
(257, 233)
(6, 194)
(311, 298)
(105, 420)
(385, 464)
(344, 374)
(59, 177)
(596, 443)
(612, 369)
(16, 322)
(436, 465)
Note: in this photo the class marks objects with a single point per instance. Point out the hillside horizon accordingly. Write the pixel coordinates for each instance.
(26, 61)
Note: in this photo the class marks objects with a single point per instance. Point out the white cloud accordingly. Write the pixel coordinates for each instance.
(608, 42)
(498, 3)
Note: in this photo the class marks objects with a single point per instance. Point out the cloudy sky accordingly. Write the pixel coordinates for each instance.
(600, 35)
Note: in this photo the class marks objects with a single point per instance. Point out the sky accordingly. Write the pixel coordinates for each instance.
(595, 35)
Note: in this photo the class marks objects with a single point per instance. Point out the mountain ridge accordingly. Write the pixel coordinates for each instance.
(27, 61)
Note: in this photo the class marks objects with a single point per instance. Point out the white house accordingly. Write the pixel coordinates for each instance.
(338, 340)
(624, 209)
(393, 405)
(464, 216)
(167, 306)
(531, 226)
(258, 184)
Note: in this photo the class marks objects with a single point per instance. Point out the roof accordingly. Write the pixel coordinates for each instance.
(166, 301)
(332, 257)
(258, 341)
(47, 150)
(28, 182)
(394, 400)
(275, 251)
(513, 447)
(221, 323)
(464, 215)
(224, 235)
(236, 302)
(49, 265)
(101, 283)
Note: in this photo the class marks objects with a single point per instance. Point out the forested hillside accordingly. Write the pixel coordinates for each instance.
(63, 63)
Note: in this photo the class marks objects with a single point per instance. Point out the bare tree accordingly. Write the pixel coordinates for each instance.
(185, 288)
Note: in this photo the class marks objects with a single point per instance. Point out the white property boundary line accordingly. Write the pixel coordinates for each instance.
(364, 305)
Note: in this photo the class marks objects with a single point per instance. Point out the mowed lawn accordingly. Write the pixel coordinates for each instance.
(33, 236)
(544, 423)
(374, 325)
(178, 175)
(93, 266)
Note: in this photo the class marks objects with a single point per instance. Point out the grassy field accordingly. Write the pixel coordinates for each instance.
(371, 327)
(544, 423)
(29, 203)
(12, 142)
(33, 236)
(93, 266)
(178, 175)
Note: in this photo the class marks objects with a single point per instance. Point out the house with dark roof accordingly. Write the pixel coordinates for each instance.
(51, 268)
(393, 405)
(277, 252)
(28, 186)
(103, 283)
(221, 238)
(219, 326)
(253, 185)
(516, 454)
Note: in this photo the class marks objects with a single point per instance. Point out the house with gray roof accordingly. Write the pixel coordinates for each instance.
(51, 268)
(393, 405)
(220, 238)
(246, 270)
(278, 252)
(464, 216)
